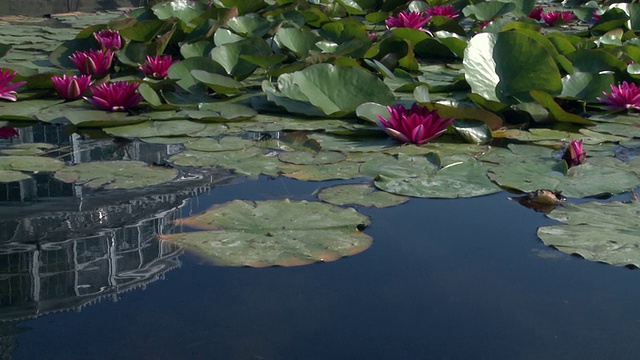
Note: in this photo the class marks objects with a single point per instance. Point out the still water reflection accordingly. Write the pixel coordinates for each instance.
(444, 279)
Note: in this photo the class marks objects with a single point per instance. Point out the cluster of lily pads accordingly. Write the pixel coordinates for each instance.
(476, 97)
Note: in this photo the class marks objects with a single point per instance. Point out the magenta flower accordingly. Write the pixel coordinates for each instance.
(596, 16)
(623, 96)
(7, 132)
(109, 39)
(417, 125)
(116, 96)
(71, 87)
(536, 13)
(574, 155)
(552, 17)
(157, 66)
(92, 62)
(448, 11)
(7, 89)
(405, 19)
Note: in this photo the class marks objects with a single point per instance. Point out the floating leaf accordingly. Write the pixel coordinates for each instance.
(7, 176)
(156, 128)
(116, 174)
(597, 231)
(341, 170)
(310, 158)
(360, 194)
(30, 163)
(275, 233)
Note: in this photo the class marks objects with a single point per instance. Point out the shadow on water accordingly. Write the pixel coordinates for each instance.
(444, 279)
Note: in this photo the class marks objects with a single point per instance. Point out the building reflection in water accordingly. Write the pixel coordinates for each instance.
(63, 247)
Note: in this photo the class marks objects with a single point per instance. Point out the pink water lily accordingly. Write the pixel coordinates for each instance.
(157, 66)
(7, 88)
(109, 39)
(71, 87)
(623, 96)
(574, 155)
(7, 132)
(405, 19)
(536, 13)
(416, 125)
(447, 11)
(552, 17)
(92, 62)
(116, 96)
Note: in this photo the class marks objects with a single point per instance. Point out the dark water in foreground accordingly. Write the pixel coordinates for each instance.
(444, 279)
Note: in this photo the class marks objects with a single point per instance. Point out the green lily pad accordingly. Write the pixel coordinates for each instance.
(341, 170)
(597, 231)
(224, 144)
(360, 194)
(156, 128)
(116, 174)
(310, 158)
(607, 176)
(30, 163)
(275, 233)
(464, 178)
(7, 176)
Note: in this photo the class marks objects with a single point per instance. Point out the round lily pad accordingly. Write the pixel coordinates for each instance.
(7, 176)
(226, 143)
(30, 163)
(340, 170)
(270, 233)
(597, 231)
(310, 158)
(116, 174)
(360, 194)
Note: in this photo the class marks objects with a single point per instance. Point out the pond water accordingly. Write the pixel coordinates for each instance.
(82, 276)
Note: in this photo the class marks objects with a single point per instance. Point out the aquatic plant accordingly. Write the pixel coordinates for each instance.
(622, 96)
(552, 17)
(7, 132)
(116, 96)
(109, 39)
(416, 125)
(92, 62)
(406, 19)
(536, 13)
(443, 10)
(7, 88)
(71, 87)
(157, 66)
(574, 155)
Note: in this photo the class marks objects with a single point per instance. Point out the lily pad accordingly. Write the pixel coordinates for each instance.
(30, 163)
(310, 158)
(116, 174)
(156, 128)
(597, 231)
(360, 194)
(275, 233)
(7, 176)
(608, 176)
(465, 178)
(341, 170)
(224, 144)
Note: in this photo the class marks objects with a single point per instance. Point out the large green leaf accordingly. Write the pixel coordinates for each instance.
(360, 194)
(492, 70)
(597, 231)
(338, 90)
(275, 233)
(156, 128)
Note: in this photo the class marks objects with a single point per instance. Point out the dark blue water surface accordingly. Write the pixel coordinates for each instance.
(444, 279)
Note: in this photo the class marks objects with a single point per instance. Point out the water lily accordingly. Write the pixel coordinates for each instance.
(157, 66)
(109, 39)
(552, 17)
(536, 13)
(71, 87)
(574, 155)
(7, 132)
(7, 88)
(92, 62)
(405, 19)
(416, 125)
(116, 96)
(447, 11)
(623, 96)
